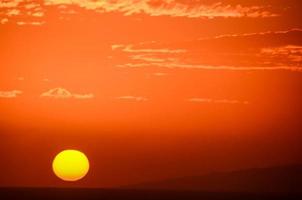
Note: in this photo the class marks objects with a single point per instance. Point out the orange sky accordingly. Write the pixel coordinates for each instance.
(148, 89)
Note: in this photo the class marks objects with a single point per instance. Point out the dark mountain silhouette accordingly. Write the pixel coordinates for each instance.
(123, 194)
(276, 183)
(285, 179)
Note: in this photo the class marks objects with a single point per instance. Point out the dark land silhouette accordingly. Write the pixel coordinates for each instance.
(281, 179)
(253, 184)
(124, 194)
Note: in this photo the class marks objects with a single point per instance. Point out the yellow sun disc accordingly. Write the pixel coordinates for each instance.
(70, 165)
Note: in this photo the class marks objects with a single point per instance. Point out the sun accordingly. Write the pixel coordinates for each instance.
(70, 165)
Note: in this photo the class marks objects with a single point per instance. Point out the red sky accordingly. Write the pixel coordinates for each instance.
(148, 89)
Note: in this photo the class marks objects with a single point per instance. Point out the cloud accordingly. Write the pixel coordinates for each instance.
(13, 12)
(289, 52)
(61, 93)
(263, 51)
(3, 21)
(219, 101)
(83, 96)
(10, 94)
(146, 57)
(132, 98)
(171, 8)
(21, 23)
(14, 9)
(209, 67)
(10, 3)
(130, 49)
(224, 36)
(38, 14)
(117, 46)
(31, 5)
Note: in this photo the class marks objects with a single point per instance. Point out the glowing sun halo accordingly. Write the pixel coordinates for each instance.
(70, 165)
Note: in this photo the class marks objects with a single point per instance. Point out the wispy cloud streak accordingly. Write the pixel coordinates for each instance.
(10, 94)
(132, 98)
(209, 67)
(219, 101)
(61, 93)
(172, 8)
(238, 52)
